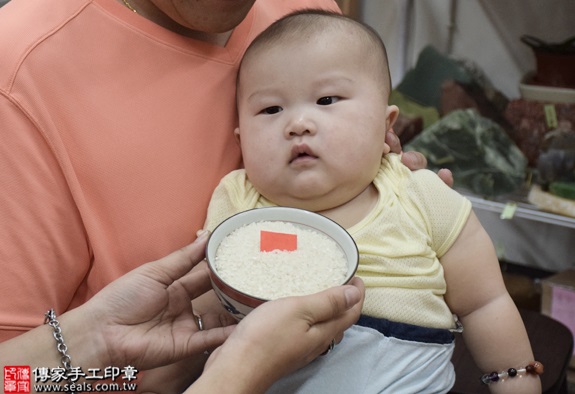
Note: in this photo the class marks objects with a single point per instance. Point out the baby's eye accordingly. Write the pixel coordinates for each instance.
(274, 109)
(327, 100)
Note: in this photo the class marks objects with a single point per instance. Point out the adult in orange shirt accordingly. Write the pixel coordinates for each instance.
(116, 122)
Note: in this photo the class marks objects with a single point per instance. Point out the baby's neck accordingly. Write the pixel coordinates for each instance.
(353, 211)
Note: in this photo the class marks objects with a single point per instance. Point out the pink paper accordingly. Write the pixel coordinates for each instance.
(563, 307)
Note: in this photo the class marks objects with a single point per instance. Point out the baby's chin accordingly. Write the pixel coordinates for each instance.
(310, 202)
(309, 193)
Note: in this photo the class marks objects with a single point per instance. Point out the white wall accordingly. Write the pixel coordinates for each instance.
(485, 31)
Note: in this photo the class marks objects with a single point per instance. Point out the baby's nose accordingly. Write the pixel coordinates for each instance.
(301, 125)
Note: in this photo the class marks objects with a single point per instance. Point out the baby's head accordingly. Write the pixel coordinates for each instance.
(313, 106)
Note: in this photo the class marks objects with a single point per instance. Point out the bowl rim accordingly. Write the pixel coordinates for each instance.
(255, 301)
(545, 93)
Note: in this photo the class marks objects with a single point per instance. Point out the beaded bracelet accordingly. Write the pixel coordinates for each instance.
(534, 368)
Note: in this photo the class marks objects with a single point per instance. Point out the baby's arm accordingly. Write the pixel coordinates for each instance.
(493, 329)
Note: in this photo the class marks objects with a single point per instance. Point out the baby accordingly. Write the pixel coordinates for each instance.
(313, 112)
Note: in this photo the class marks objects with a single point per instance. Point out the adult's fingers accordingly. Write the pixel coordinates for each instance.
(208, 339)
(392, 140)
(175, 265)
(414, 160)
(338, 304)
(267, 333)
(196, 283)
(417, 161)
(446, 176)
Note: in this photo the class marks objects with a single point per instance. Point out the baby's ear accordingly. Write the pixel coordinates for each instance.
(237, 134)
(391, 115)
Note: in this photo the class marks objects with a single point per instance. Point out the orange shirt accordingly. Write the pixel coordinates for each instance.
(113, 134)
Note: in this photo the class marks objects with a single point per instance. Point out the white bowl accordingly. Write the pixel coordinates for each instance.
(549, 94)
(238, 303)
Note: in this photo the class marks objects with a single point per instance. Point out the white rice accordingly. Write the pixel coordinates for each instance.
(317, 264)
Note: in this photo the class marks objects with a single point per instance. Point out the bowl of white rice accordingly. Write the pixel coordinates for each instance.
(267, 253)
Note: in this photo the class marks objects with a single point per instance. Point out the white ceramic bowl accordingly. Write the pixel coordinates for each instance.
(549, 94)
(238, 303)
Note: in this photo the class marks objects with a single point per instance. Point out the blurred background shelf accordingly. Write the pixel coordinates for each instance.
(523, 210)
(530, 237)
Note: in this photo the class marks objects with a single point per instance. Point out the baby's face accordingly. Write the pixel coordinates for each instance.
(313, 119)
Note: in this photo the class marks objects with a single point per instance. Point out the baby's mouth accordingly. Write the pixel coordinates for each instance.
(301, 152)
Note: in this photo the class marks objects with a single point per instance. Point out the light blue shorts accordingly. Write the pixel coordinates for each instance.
(379, 356)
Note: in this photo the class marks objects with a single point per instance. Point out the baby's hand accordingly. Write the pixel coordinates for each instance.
(415, 160)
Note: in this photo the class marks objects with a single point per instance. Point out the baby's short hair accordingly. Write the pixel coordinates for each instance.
(302, 23)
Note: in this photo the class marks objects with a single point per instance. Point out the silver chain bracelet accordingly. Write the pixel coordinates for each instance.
(50, 319)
